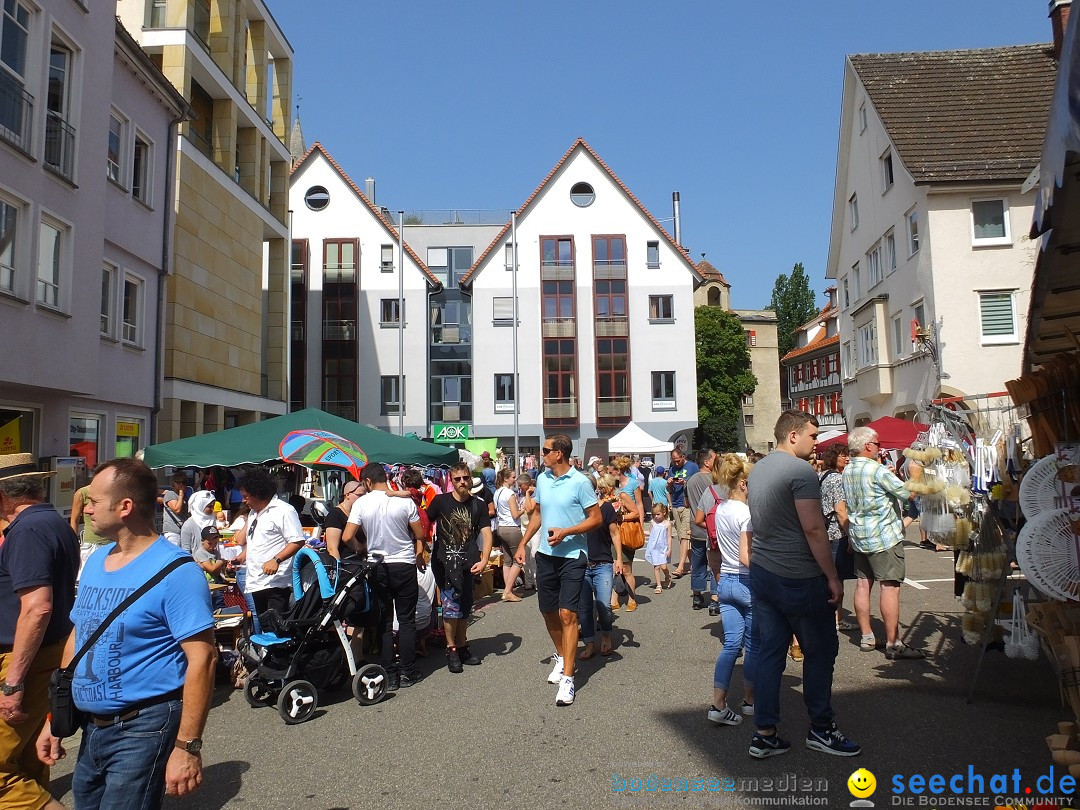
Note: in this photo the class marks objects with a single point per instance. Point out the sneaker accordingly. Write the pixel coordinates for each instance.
(831, 741)
(714, 608)
(556, 675)
(747, 709)
(724, 716)
(393, 682)
(407, 680)
(565, 694)
(903, 652)
(764, 747)
(453, 660)
(467, 657)
(698, 602)
(868, 644)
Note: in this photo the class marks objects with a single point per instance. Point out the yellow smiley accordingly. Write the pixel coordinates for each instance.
(861, 783)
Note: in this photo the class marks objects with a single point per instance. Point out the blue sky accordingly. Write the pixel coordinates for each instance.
(734, 104)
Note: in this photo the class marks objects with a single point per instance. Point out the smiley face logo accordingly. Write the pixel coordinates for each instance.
(862, 783)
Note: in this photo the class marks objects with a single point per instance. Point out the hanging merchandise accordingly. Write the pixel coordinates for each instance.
(944, 485)
(984, 563)
(1022, 642)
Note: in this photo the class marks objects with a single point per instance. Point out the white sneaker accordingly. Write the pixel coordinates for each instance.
(724, 716)
(566, 691)
(557, 670)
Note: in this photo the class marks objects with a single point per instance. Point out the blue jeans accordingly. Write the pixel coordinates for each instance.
(122, 767)
(699, 566)
(596, 588)
(784, 607)
(737, 614)
(241, 583)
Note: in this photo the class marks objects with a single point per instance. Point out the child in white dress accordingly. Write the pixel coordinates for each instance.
(658, 546)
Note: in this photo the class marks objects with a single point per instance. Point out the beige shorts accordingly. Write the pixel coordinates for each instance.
(680, 515)
(881, 566)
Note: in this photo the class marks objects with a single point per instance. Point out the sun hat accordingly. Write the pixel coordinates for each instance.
(14, 465)
(592, 461)
(477, 485)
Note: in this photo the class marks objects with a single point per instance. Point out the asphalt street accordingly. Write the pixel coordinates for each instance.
(493, 737)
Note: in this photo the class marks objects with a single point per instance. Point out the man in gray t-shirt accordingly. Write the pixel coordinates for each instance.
(696, 485)
(795, 588)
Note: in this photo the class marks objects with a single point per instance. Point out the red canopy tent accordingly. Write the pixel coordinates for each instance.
(894, 434)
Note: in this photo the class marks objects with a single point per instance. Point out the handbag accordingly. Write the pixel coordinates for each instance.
(66, 718)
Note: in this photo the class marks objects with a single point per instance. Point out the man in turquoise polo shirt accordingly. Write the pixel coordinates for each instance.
(566, 508)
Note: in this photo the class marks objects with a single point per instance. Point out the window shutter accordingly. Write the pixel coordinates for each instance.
(753, 338)
(997, 314)
(502, 309)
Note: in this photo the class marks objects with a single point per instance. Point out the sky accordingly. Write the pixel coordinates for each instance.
(735, 105)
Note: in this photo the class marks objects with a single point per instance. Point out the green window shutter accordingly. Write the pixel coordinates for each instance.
(997, 314)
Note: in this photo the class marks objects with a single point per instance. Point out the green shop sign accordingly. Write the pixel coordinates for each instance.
(450, 432)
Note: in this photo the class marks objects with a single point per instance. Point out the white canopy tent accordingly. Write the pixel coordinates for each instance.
(830, 434)
(632, 439)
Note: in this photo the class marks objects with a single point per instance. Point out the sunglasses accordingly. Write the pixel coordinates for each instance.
(876, 444)
(461, 478)
(546, 450)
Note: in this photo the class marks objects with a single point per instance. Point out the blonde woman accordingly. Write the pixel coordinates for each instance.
(508, 529)
(632, 528)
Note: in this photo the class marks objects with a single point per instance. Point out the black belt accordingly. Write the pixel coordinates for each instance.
(132, 711)
(6, 648)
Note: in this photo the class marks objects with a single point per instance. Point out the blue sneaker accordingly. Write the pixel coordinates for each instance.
(831, 740)
(765, 747)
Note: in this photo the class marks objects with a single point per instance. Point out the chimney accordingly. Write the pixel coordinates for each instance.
(369, 189)
(678, 218)
(1059, 21)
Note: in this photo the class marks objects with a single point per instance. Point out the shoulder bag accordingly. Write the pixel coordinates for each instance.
(66, 719)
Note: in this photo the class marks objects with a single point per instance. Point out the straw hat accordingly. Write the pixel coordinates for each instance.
(477, 485)
(15, 465)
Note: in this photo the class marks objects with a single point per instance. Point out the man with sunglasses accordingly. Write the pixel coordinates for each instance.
(874, 502)
(566, 510)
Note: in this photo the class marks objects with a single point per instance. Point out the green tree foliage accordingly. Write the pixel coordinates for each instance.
(724, 377)
(794, 304)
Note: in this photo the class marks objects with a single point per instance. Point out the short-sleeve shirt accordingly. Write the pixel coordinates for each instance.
(780, 546)
(599, 539)
(139, 656)
(658, 490)
(503, 515)
(832, 493)
(172, 521)
(39, 548)
(563, 500)
(335, 519)
(385, 520)
(873, 492)
(457, 524)
(269, 531)
(696, 487)
(708, 500)
(201, 555)
(678, 477)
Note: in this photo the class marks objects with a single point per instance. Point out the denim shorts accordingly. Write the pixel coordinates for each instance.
(458, 604)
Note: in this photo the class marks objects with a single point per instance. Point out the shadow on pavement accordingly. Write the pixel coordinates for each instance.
(221, 782)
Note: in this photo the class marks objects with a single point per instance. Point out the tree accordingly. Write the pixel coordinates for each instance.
(794, 304)
(724, 378)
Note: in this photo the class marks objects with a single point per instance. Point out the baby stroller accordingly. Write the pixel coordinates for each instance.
(307, 650)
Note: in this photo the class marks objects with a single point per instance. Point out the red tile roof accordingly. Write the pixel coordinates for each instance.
(818, 342)
(375, 212)
(470, 276)
(710, 273)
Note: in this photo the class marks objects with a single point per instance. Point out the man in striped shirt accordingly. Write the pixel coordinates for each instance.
(874, 498)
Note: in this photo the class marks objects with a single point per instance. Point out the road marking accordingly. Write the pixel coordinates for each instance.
(918, 583)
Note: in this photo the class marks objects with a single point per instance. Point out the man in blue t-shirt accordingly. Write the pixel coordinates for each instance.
(566, 509)
(146, 683)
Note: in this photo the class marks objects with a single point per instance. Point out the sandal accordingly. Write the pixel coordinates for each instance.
(605, 646)
(588, 652)
(677, 574)
(658, 589)
(845, 625)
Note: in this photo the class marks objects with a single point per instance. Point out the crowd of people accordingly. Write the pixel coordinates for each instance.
(767, 543)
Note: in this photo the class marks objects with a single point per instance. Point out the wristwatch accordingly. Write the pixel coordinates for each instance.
(10, 688)
(191, 746)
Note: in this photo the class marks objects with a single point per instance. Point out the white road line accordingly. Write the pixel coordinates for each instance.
(918, 583)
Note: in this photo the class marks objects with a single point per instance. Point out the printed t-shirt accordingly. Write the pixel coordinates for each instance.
(457, 524)
(678, 477)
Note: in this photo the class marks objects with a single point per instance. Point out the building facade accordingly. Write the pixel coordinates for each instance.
(86, 122)
(226, 310)
(812, 368)
(930, 221)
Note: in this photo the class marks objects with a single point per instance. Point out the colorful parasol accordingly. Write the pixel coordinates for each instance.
(323, 447)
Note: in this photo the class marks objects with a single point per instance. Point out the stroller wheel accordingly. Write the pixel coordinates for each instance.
(258, 693)
(297, 702)
(369, 684)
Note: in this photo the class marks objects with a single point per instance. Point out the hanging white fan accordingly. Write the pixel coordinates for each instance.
(1047, 553)
(1039, 488)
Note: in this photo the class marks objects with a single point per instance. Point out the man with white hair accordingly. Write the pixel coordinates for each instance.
(874, 503)
(595, 469)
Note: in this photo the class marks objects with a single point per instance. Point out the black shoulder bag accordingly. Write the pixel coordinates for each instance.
(66, 719)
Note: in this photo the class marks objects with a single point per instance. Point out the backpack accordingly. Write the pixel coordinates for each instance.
(710, 519)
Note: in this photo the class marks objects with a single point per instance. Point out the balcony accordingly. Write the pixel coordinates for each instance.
(874, 384)
(16, 113)
(339, 330)
(296, 330)
(346, 409)
(609, 269)
(617, 326)
(613, 408)
(339, 274)
(560, 409)
(59, 145)
(557, 271)
(558, 327)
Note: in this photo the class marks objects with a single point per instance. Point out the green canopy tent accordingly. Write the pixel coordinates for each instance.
(259, 442)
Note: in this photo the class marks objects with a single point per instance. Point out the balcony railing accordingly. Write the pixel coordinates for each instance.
(339, 330)
(16, 113)
(558, 327)
(346, 409)
(339, 274)
(560, 409)
(557, 271)
(615, 326)
(296, 330)
(612, 407)
(609, 269)
(59, 144)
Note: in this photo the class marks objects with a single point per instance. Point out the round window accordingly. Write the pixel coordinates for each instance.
(582, 195)
(317, 198)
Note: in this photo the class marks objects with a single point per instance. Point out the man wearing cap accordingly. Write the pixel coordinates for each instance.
(208, 557)
(595, 470)
(658, 490)
(39, 560)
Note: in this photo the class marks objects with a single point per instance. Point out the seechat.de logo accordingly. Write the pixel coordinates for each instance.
(862, 785)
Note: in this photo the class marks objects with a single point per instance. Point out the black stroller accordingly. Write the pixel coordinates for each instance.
(307, 650)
